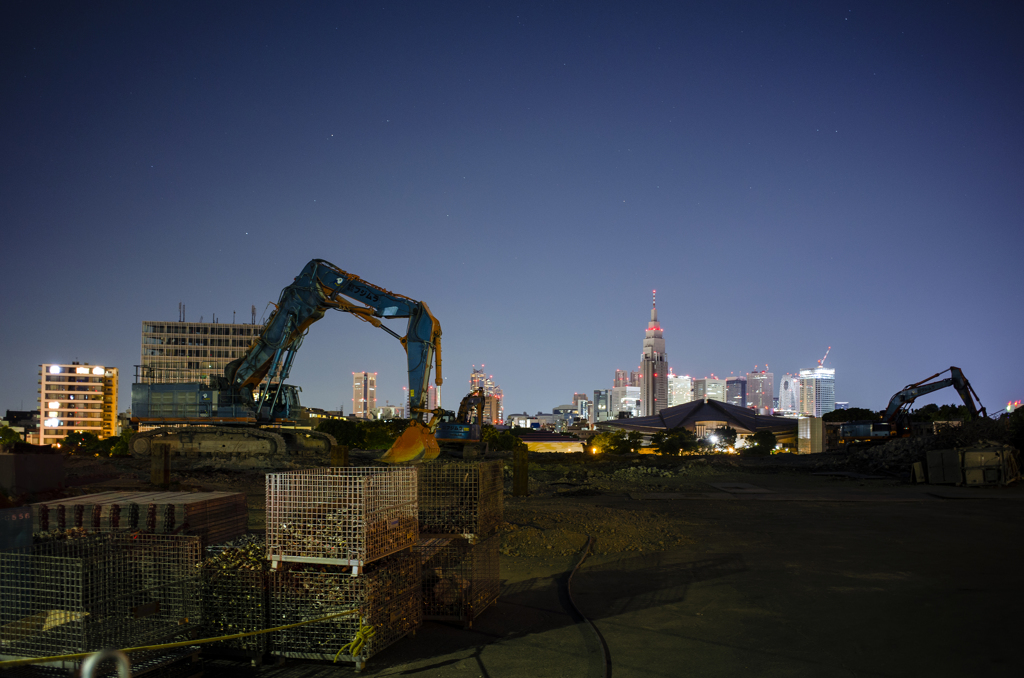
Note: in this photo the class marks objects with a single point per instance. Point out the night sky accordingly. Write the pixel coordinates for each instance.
(788, 176)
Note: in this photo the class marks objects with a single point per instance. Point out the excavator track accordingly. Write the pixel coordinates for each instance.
(220, 443)
(305, 443)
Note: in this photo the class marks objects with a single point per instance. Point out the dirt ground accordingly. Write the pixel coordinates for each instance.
(719, 569)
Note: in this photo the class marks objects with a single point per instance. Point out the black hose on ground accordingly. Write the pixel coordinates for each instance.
(568, 591)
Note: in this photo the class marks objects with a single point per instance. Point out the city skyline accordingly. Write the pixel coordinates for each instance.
(486, 159)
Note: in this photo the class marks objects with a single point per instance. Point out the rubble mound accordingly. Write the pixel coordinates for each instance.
(641, 472)
(899, 454)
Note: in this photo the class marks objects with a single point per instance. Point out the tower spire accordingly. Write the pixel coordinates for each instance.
(654, 306)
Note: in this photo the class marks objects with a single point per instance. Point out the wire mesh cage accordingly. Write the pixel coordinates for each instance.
(386, 597)
(460, 497)
(460, 579)
(106, 590)
(235, 597)
(344, 516)
(182, 662)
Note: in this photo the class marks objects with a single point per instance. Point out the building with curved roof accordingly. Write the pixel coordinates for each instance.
(704, 416)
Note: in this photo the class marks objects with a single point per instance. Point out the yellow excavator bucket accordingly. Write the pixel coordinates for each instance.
(415, 444)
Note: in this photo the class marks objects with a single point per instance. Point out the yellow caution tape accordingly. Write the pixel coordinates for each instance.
(185, 643)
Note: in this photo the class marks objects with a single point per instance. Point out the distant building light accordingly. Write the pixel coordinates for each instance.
(54, 369)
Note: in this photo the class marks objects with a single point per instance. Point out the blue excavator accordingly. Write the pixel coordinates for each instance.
(248, 413)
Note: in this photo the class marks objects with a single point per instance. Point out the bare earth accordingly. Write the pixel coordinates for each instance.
(721, 570)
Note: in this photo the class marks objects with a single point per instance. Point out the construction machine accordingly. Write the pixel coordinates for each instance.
(248, 412)
(461, 431)
(893, 423)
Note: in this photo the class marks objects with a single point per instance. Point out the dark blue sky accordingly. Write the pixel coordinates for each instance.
(788, 179)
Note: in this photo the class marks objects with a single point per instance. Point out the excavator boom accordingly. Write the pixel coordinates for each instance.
(902, 401)
(321, 286)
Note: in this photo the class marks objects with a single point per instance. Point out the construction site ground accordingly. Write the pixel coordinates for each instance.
(722, 569)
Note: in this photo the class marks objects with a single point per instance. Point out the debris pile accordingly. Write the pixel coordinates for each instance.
(899, 454)
(894, 456)
(641, 472)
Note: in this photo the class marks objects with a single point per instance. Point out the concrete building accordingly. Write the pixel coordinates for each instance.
(736, 391)
(810, 435)
(621, 378)
(789, 394)
(364, 394)
(183, 352)
(634, 378)
(654, 368)
(760, 390)
(625, 399)
(602, 405)
(817, 391)
(76, 397)
(709, 388)
(680, 389)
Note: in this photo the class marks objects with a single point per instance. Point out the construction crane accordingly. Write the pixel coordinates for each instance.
(821, 363)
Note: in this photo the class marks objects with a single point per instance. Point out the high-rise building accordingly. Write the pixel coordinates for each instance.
(76, 397)
(364, 394)
(736, 391)
(817, 391)
(621, 378)
(625, 399)
(493, 407)
(789, 394)
(680, 389)
(760, 390)
(183, 352)
(634, 378)
(602, 405)
(709, 388)
(654, 368)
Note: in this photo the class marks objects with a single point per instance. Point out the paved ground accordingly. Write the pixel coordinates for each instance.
(799, 575)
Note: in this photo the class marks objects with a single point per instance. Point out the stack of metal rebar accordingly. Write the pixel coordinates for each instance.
(460, 516)
(214, 516)
(340, 540)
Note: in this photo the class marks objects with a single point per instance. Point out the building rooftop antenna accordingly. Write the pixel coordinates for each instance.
(821, 363)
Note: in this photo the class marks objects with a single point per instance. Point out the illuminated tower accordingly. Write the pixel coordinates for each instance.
(364, 394)
(653, 368)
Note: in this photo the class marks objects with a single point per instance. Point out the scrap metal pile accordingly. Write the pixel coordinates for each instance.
(342, 543)
(460, 515)
(340, 540)
(86, 592)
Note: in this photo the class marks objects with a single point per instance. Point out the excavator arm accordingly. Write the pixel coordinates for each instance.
(901, 401)
(322, 286)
